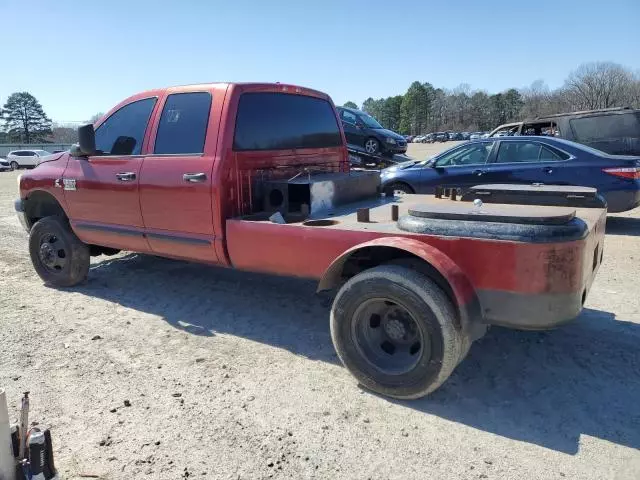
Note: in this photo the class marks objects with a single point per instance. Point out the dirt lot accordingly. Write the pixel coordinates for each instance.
(232, 375)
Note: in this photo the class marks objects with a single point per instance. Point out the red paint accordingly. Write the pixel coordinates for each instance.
(160, 206)
(295, 250)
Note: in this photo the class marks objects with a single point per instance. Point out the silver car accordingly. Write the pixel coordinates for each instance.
(25, 158)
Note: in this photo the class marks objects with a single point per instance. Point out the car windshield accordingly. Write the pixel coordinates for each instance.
(369, 121)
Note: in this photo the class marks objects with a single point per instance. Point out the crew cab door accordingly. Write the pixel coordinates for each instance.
(101, 191)
(176, 177)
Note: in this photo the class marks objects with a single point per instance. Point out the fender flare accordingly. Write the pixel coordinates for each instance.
(462, 290)
(39, 194)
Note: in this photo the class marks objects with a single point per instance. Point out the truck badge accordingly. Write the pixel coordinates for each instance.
(67, 183)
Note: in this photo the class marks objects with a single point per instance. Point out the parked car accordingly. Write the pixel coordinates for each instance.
(4, 165)
(612, 130)
(409, 138)
(253, 176)
(25, 158)
(442, 137)
(418, 139)
(455, 136)
(465, 135)
(429, 138)
(522, 159)
(364, 133)
(476, 136)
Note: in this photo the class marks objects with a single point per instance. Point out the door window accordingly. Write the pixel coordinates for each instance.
(349, 117)
(123, 132)
(475, 154)
(276, 121)
(527, 152)
(183, 123)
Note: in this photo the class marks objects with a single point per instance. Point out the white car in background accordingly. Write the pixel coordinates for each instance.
(25, 158)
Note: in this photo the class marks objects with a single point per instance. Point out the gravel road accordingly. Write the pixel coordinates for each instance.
(233, 376)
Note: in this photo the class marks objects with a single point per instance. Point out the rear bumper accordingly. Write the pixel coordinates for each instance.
(530, 312)
(18, 205)
(572, 270)
(622, 200)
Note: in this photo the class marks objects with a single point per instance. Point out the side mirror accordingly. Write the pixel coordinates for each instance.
(87, 140)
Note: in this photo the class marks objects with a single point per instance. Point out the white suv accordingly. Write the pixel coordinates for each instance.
(25, 158)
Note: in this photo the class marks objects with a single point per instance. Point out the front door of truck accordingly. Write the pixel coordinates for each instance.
(176, 178)
(102, 191)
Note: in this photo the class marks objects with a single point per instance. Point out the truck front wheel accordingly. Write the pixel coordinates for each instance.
(59, 257)
(393, 328)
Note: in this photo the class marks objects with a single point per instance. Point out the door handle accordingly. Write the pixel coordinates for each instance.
(194, 177)
(547, 170)
(479, 172)
(126, 176)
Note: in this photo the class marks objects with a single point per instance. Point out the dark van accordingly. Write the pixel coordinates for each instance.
(612, 130)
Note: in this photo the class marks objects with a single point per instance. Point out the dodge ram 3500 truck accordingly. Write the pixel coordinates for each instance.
(256, 177)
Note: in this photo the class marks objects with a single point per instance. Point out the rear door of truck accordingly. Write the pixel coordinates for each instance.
(176, 175)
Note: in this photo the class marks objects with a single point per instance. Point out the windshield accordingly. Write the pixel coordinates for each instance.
(369, 121)
(43, 153)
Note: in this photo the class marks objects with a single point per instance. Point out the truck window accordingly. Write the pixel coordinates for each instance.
(123, 132)
(606, 126)
(277, 121)
(183, 123)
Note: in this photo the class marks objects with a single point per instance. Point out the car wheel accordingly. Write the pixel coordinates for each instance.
(394, 330)
(399, 189)
(372, 146)
(14, 165)
(59, 257)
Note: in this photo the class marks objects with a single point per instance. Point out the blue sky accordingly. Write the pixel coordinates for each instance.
(81, 57)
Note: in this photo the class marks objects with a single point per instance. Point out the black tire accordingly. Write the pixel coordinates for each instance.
(372, 146)
(433, 318)
(59, 257)
(14, 165)
(400, 189)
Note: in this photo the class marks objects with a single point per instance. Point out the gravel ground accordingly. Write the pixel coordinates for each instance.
(232, 375)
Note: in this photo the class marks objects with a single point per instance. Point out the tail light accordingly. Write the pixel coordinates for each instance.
(624, 172)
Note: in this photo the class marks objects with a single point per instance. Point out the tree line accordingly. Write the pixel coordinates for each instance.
(425, 108)
(422, 109)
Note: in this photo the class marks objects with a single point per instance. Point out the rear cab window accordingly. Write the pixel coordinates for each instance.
(279, 121)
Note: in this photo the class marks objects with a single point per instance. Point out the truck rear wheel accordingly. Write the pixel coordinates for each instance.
(393, 328)
(58, 256)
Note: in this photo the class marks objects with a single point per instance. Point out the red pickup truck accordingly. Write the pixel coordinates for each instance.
(256, 177)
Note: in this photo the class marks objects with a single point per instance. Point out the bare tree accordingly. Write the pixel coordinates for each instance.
(598, 85)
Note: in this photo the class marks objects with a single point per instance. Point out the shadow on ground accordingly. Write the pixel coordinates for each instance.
(545, 388)
(623, 226)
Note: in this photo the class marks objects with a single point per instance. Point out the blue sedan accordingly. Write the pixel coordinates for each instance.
(526, 160)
